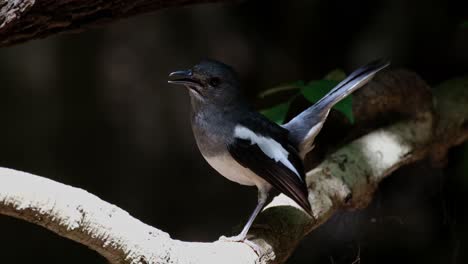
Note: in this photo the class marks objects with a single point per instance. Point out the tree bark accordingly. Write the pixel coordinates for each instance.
(346, 179)
(23, 20)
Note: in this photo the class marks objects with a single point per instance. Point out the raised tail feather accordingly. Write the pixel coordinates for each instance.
(305, 126)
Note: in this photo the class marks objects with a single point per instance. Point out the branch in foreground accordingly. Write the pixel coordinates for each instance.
(346, 179)
(23, 20)
(112, 232)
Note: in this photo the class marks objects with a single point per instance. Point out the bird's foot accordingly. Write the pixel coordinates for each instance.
(242, 239)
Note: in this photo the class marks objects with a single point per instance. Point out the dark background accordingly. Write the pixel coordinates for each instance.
(93, 110)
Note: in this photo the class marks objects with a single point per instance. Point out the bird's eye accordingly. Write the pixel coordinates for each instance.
(215, 81)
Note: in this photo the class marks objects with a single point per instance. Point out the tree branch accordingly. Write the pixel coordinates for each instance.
(346, 179)
(23, 20)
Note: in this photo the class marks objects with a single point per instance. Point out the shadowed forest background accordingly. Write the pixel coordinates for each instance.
(94, 110)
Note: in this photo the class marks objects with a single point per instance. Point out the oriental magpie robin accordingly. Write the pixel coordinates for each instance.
(244, 146)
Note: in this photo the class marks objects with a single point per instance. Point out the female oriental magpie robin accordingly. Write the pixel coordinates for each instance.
(244, 146)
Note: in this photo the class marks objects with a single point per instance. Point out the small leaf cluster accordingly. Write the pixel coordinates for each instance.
(313, 91)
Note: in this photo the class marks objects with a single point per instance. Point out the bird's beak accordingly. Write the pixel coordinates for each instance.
(185, 78)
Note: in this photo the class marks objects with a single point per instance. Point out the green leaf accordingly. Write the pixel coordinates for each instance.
(277, 113)
(315, 90)
(281, 88)
(345, 106)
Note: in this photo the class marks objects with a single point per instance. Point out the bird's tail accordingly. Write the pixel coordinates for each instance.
(304, 127)
(353, 82)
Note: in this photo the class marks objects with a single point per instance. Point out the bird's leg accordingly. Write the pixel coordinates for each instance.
(262, 198)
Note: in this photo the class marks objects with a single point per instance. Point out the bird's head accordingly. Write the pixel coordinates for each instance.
(209, 82)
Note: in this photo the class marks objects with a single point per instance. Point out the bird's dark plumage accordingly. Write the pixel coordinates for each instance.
(274, 172)
(247, 148)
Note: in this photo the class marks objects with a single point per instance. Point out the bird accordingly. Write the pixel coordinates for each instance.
(246, 147)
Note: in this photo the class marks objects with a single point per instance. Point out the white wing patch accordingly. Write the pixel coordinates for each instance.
(269, 146)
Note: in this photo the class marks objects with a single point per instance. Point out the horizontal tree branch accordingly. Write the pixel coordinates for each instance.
(23, 20)
(346, 179)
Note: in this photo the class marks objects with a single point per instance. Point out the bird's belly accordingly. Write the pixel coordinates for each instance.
(233, 171)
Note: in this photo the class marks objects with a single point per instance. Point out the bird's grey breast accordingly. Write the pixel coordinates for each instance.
(213, 131)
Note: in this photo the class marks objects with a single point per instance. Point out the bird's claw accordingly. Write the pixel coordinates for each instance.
(242, 239)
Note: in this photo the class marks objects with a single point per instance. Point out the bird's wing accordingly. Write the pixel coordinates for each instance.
(266, 154)
(305, 126)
